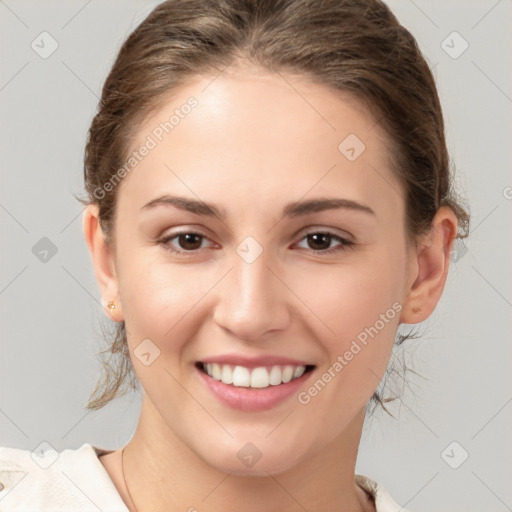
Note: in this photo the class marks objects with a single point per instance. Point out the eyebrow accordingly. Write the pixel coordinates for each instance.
(293, 209)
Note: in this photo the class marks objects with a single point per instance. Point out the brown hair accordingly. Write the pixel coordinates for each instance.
(356, 46)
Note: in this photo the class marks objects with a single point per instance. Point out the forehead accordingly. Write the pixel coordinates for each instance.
(253, 132)
(250, 98)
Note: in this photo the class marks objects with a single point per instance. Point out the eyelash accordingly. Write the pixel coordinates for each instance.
(345, 244)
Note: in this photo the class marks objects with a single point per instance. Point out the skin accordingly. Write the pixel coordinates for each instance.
(252, 145)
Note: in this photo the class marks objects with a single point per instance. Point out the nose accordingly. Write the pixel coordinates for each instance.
(252, 300)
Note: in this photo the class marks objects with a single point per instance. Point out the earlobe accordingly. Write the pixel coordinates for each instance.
(103, 263)
(430, 269)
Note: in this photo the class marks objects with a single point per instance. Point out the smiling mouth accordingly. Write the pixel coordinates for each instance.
(259, 378)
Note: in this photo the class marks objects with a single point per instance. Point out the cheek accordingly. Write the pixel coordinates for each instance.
(349, 297)
(163, 302)
(355, 311)
(164, 308)
(357, 357)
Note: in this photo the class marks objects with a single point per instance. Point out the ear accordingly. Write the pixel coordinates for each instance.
(103, 261)
(429, 267)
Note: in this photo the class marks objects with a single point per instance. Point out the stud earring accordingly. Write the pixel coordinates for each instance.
(111, 306)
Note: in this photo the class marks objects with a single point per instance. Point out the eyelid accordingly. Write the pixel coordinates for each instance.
(183, 230)
(323, 229)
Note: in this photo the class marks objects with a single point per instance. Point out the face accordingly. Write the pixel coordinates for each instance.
(286, 248)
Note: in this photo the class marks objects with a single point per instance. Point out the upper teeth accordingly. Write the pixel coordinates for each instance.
(259, 377)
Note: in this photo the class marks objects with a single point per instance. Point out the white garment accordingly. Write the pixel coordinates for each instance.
(75, 480)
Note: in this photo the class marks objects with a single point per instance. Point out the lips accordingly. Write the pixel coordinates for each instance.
(253, 399)
(253, 383)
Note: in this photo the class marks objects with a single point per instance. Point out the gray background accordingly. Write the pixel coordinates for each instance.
(50, 332)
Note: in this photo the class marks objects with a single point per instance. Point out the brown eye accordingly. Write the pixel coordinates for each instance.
(321, 242)
(187, 243)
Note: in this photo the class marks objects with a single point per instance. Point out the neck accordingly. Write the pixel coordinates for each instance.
(162, 473)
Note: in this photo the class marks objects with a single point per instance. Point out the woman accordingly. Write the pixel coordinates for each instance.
(269, 198)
